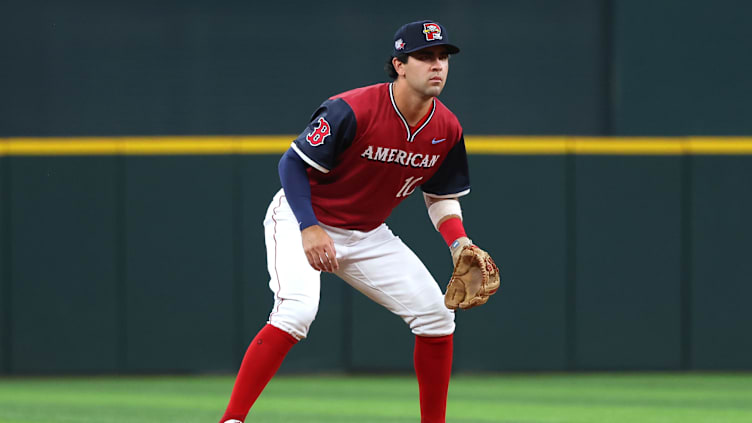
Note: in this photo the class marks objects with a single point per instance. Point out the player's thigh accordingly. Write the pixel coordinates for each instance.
(295, 284)
(388, 271)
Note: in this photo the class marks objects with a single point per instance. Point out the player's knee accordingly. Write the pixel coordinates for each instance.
(294, 317)
(438, 321)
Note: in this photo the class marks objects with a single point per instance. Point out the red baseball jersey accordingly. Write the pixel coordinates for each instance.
(365, 159)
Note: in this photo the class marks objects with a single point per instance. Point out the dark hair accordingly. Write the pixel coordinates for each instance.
(389, 67)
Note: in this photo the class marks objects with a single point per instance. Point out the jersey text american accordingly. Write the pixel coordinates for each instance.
(394, 155)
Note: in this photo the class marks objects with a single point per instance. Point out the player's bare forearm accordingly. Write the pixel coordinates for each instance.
(319, 249)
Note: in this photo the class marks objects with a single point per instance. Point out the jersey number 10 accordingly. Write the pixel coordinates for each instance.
(409, 186)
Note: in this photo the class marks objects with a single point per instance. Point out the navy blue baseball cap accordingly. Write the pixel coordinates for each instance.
(421, 34)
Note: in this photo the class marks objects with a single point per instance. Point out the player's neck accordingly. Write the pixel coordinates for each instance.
(413, 106)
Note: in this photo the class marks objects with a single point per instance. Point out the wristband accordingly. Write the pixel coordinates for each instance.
(451, 229)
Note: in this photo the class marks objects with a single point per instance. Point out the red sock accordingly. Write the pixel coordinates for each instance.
(433, 366)
(261, 362)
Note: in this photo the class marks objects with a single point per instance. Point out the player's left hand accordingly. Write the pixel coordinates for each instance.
(319, 249)
(457, 246)
(475, 278)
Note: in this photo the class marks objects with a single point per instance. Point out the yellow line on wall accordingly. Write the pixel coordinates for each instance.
(144, 145)
(476, 144)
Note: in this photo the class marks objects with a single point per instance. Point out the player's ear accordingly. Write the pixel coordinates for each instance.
(399, 66)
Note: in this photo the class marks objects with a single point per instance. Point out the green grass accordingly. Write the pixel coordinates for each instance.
(519, 398)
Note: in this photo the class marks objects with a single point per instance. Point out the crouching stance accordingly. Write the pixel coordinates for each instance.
(362, 153)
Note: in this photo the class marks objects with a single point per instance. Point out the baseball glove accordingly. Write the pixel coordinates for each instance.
(475, 278)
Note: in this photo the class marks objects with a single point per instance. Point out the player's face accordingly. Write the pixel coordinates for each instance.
(426, 70)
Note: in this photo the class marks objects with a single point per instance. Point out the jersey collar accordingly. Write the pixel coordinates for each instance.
(410, 135)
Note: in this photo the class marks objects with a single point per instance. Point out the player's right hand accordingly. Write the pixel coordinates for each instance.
(319, 249)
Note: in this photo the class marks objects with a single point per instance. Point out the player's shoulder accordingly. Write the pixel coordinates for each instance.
(364, 97)
(364, 102)
(368, 91)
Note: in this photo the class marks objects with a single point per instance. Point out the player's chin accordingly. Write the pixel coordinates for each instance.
(434, 90)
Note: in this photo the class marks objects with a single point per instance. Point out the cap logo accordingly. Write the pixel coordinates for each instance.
(399, 44)
(432, 31)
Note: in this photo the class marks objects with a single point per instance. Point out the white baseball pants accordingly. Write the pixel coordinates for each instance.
(376, 263)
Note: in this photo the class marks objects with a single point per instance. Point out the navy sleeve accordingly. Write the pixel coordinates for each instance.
(330, 131)
(452, 179)
(292, 174)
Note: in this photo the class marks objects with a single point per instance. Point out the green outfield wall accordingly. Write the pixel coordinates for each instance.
(156, 263)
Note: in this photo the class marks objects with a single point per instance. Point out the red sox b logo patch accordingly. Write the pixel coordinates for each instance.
(432, 31)
(323, 130)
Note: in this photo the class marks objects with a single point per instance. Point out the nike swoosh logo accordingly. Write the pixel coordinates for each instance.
(435, 141)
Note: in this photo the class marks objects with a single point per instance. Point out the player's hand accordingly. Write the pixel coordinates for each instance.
(319, 249)
(474, 280)
(457, 246)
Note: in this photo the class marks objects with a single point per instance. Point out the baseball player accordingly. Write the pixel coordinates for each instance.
(363, 152)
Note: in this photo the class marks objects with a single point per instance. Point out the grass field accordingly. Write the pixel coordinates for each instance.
(519, 398)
